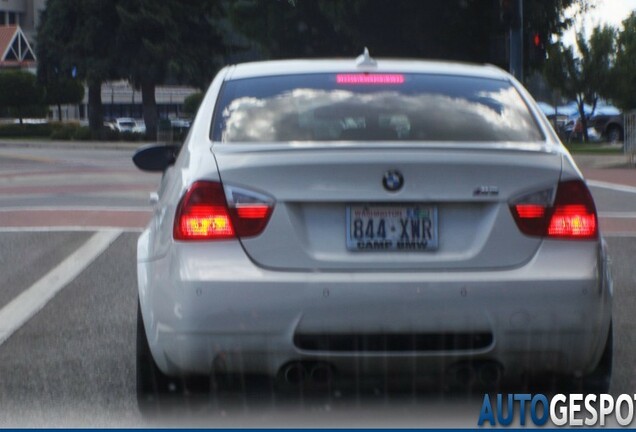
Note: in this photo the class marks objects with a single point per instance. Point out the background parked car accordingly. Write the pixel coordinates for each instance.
(557, 119)
(609, 126)
(125, 124)
(573, 129)
(605, 122)
(140, 127)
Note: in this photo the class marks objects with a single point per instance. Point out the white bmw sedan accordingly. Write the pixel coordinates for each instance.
(334, 217)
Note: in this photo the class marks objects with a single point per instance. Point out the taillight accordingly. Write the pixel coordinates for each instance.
(574, 213)
(206, 212)
(571, 215)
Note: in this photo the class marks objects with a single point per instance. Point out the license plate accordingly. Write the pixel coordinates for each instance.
(408, 228)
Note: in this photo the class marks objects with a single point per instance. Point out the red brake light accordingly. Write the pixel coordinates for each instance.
(204, 214)
(530, 218)
(574, 213)
(252, 211)
(571, 216)
(369, 79)
(206, 222)
(572, 221)
(530, 211)
(250, 219)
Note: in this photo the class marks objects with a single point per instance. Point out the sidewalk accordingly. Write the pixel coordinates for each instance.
(601, 161)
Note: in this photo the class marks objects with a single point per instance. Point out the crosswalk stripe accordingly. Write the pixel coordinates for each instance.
(22, 308)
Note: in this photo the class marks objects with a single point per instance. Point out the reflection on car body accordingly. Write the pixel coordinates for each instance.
(281, 185)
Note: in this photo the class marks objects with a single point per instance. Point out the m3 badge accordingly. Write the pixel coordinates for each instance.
(486, 191)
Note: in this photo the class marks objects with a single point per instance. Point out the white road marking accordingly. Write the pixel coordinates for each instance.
(618, 215)
(70, 228)
(22, 308)
(140, 209)
(612, 186)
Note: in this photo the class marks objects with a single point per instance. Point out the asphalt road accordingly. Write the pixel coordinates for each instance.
(75, 214)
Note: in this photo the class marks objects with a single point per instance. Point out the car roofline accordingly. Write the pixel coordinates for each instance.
(298, 67)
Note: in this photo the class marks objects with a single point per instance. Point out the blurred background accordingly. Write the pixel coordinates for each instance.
(115, 69)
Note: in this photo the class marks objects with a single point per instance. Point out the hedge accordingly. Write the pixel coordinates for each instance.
(75, 132)
(16, 130)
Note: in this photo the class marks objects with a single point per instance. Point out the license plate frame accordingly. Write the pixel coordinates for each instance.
(420, 216)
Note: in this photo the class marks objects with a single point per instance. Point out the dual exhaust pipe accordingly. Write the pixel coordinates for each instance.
(488, 374)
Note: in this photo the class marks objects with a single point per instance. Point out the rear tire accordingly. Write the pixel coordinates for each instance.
(152, 384)
(598, 381)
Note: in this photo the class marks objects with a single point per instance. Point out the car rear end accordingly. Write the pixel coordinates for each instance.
(413, 219)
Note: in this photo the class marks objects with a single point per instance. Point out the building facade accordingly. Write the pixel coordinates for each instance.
(120, 99)
(23, 13)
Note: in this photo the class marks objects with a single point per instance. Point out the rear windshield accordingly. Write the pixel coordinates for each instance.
(371, 107)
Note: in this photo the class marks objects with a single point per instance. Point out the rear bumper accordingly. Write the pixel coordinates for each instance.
(208, 308)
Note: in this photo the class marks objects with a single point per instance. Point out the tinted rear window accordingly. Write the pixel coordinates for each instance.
(376, 107)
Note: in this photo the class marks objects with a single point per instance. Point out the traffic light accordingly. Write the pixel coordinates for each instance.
(536, 48)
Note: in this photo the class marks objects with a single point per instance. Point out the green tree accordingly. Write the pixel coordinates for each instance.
(145, 42)
(467, 30)
(21, 94)
(201, 47)
(159, 40)
(547, 18)
(624, 75)
(76, 37)
(587, 76)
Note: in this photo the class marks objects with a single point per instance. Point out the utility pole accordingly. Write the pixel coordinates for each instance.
(516, 40)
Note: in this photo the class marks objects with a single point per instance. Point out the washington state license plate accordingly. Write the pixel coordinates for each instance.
(408, 228)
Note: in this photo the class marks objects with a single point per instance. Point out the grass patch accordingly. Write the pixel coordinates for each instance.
(595, 148)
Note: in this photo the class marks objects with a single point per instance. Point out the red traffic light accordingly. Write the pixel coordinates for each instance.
(536, 40)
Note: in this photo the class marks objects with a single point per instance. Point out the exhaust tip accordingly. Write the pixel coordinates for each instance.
(486, 374)
(462, 375)
(294, 373)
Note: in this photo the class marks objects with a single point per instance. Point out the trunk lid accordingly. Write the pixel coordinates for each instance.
(314, 185)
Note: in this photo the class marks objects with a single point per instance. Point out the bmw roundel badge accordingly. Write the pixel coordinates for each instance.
(393, 180)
